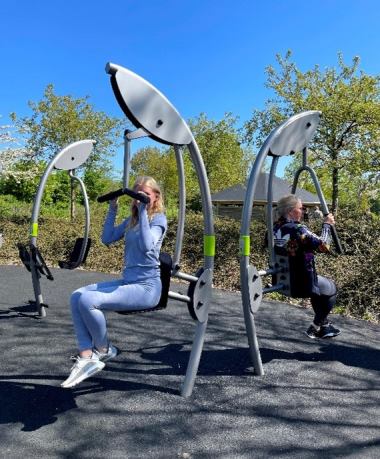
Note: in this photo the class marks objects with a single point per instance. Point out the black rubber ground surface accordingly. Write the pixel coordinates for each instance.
(317, 398)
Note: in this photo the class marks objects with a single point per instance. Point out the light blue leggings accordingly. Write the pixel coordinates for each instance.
(89, 302)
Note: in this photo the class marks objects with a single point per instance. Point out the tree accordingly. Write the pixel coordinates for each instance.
(226, 159)
(347, 140)
(11, 152)
(96, 182)
(57, 121)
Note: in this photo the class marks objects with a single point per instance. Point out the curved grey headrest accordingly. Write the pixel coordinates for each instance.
(74, 155)
(147, 107)
(294, 134)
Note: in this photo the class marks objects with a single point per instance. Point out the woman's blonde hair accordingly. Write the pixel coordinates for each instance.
(286, 205)
(158, 205)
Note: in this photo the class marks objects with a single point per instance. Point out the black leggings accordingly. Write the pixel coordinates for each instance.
(325, 301)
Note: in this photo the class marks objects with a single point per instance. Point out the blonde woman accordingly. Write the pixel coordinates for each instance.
(140, 286)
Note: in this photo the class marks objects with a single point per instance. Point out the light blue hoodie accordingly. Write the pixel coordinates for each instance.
(142, 243)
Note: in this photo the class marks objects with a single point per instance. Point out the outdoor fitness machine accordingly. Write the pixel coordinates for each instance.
(155, 117)
(292, 136)
(71, 157)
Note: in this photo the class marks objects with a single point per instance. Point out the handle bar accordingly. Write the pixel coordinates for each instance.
(133, 194)
(336, 240)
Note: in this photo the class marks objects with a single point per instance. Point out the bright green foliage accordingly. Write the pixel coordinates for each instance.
(347, 141)
(57, 188)
(21, 183)
(24, 188)
(97, 182)
(225, 158)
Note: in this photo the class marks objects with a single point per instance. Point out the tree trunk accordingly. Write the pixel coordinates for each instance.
(72, 201)
(335, 190)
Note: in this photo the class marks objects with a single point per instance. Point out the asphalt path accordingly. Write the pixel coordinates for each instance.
(316, 399)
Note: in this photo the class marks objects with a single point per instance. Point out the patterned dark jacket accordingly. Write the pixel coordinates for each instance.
(295, 240)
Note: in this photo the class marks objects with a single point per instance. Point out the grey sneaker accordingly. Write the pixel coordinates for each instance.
(109, 355)
(313, 332)
(328, 331)
(82, 369)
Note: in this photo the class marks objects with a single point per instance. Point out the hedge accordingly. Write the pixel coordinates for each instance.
(356, 273)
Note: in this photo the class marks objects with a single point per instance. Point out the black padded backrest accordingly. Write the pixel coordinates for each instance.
(282, 261)
(24, 255)
(294, 276)
(165, 273)
(40, 262)
(32, 253)
(74, 255)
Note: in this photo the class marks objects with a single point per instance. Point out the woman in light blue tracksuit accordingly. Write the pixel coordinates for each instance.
(140, 286)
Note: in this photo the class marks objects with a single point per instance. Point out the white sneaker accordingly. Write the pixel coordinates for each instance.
(110, 354)
(82, 369)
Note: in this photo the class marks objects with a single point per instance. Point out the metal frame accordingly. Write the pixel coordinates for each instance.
(68, 159)
(318, 189)
(155, 117)
(291, 136)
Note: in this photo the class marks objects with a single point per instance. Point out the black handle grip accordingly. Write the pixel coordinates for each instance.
(133, 194)
(137, 195)
(110, 196)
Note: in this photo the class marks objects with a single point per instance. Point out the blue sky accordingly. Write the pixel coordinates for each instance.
(204, 55)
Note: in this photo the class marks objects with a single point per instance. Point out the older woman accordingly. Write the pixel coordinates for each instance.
(294, 239)
(140, 287)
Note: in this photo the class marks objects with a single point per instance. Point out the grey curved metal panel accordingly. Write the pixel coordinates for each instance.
(148, 107)
(74, 155)
(294, 134)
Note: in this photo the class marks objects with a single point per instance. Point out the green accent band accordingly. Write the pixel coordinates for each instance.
(34, 229)
(245, 245)
(209, 245)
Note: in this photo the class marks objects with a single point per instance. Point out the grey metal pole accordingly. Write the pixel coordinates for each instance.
(195, 356)
(37, 204)
(209, 253)
(321, 198)
(209, 235)
(127, 159)
(182, 205)
(37, 289)
(244, 261)
(33, 240)
(272, 173)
